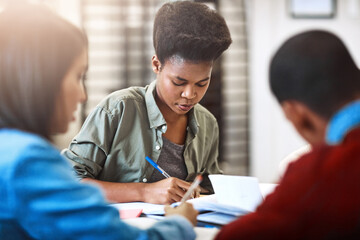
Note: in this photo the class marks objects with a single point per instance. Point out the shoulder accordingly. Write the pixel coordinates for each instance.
(121, 99)
(20, 141)
(18, 148)
(203, 115)
(327, 160)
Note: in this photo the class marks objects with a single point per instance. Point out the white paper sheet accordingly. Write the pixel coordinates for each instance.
(238, 191)
(210, 203)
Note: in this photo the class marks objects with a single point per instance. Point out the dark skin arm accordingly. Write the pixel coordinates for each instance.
(166, 191)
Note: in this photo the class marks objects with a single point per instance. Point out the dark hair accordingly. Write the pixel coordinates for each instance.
(37, 48)
(190, 30)
(315, 68)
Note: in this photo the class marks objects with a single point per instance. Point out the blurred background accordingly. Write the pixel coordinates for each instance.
(255, 136)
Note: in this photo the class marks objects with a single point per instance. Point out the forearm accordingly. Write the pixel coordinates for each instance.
(120, 192)
(165, 191)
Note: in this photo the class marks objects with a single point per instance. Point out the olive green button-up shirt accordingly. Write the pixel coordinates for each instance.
(127, 126)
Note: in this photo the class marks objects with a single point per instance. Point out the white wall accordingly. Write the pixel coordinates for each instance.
(270, 23)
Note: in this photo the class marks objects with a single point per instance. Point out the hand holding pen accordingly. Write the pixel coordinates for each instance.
(193, 186)
(166, 191)
(186, 209)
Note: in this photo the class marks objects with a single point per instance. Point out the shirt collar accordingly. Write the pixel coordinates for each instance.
(343, 122)
(156, 119)
(193, 122)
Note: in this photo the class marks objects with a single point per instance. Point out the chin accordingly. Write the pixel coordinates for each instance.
(61, 130)
(64, 130)
(179, 112)
(315, 141)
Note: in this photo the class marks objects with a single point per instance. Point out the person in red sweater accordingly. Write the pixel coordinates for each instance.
(317, 84)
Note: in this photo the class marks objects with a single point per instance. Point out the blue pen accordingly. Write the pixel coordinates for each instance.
(157, 167)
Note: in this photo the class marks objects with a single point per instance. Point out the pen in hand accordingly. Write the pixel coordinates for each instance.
(157, 167)
(191, 189)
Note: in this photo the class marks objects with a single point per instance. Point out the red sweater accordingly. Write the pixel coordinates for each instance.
(318, 198)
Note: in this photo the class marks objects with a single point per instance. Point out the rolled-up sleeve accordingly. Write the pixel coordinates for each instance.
(90, 147)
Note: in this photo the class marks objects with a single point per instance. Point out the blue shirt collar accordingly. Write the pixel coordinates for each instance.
(343, 122)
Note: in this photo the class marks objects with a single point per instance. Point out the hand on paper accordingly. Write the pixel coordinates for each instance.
(166, 191)
(196, 192)
(185, 209)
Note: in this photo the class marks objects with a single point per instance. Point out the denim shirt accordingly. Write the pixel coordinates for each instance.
(42, 199)
(127, 126)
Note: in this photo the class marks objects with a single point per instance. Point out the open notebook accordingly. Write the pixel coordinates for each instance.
(234, 196)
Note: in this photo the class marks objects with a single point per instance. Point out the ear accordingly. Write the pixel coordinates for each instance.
(156, 64)
(292, 111)
(307, 123)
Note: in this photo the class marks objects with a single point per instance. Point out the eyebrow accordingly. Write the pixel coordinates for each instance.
(185, 80)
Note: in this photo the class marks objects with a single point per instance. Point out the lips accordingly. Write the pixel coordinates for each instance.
(185, 107)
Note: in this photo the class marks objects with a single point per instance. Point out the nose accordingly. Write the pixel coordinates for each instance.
(189, 92)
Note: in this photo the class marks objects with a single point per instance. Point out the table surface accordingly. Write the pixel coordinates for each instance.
(202, 233)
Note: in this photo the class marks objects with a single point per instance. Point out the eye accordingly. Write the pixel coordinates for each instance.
(178, 84)
(82, 76)
(202, 84)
